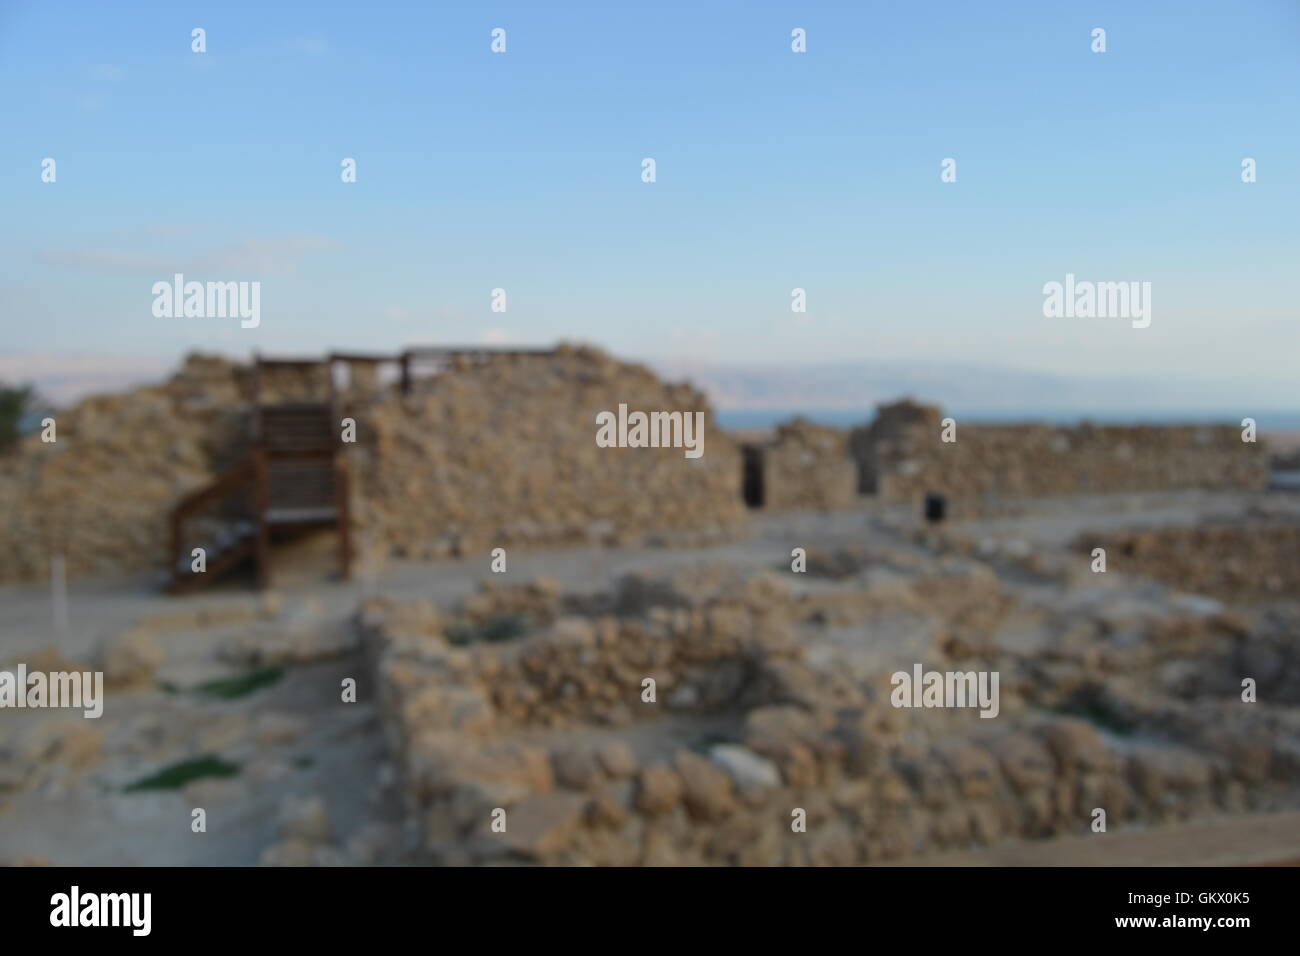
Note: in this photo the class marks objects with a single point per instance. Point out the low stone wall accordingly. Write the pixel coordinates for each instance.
(1233, 562)
(535, 744)
(988, 462)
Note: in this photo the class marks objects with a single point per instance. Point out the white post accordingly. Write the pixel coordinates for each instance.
(368, 571)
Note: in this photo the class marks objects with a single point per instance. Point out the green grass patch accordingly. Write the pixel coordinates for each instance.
(502, 627)
(241, 685)
(187, 771)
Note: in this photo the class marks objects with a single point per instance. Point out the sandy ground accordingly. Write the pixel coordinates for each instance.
(295, 739)
(98, 606)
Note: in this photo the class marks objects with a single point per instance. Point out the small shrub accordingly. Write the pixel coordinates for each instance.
(241, 685)
(187, 771)
(502, 627)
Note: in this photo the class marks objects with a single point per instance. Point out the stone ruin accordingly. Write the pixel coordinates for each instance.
(803, 466)
(498, 450)
(991, 464)
(528, 705)
(493, 450)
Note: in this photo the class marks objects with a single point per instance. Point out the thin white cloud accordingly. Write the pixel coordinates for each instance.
(269, 254)
(103, 260)
(315, 44)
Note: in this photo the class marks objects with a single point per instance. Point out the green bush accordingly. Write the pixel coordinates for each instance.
(187, 771)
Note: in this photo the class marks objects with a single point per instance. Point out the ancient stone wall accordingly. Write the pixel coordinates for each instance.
(502, 451)
(101, 493)
(308, 382)
(872, 444)
(756, 719)
(807, 466)
(487, 453)
(991, 462)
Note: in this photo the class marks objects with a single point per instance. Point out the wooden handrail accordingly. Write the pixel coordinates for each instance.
(403, 360)
(442, 351)
(255, 413)
(234, 476)
(343, 508)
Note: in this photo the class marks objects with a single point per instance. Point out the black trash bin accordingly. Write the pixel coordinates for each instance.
(936, 506)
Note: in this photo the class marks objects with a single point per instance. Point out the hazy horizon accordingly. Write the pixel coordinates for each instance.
(838, 393)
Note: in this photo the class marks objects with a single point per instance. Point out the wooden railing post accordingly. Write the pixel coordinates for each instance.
(255, 412)
(173, 562)
(343, 505)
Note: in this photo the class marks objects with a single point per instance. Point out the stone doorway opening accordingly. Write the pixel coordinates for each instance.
(752, 476)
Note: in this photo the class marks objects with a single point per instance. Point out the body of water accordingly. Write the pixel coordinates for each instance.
(1279, 421)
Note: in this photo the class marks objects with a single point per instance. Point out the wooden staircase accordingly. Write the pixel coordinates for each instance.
(293, 478)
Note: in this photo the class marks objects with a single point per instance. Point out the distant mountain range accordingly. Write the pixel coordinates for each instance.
(60, 379)
(848, 387)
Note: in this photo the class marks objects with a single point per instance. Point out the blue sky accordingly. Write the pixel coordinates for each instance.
(775, 170)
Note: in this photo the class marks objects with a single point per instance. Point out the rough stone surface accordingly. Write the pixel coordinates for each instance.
(130, 657)
(788, 711)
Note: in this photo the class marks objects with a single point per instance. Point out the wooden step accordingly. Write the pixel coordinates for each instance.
(300, 426)
(301, 484)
